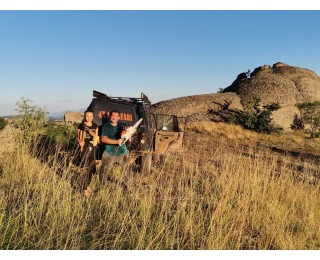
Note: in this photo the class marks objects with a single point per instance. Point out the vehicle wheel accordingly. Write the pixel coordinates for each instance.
(146, 163)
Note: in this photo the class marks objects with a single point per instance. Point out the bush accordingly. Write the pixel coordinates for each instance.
(256, 117)
(220, 90)
(61, 132)
(310, 114)
(3, 123)
(297, 123)
(30, 119)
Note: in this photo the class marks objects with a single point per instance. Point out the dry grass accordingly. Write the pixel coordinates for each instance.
(297, 141)
(225, 193)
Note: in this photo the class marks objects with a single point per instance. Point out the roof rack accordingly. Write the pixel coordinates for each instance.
(98, 94)
(143, 99)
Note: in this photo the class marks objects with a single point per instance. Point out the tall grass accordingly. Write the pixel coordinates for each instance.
(213, 196)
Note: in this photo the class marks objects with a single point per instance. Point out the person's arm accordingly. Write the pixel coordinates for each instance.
(107, 140)
(80, 138)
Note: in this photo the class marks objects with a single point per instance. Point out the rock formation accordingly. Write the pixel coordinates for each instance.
(281, 83)
(195, 108)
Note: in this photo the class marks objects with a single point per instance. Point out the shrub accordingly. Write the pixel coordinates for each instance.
(254, 116)
(61, 133)
(220, 90)
(297, 123)
(30, 119)
(3, 123)
(310, 114)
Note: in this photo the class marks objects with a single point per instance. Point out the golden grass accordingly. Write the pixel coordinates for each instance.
(215, 196)
(297, 141)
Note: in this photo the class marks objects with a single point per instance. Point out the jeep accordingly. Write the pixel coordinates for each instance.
(157, 134)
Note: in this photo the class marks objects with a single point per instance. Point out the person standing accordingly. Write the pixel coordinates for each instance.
(114, 151)
(87, 133)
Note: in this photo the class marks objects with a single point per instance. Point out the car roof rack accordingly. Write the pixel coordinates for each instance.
(143, 99)
(98, 94)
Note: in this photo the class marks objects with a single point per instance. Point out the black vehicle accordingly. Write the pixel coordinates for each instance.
(156, 134)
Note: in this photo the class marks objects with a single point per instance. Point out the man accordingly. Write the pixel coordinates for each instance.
(114, 152)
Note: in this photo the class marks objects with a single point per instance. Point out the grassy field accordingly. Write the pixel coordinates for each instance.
(230, 189)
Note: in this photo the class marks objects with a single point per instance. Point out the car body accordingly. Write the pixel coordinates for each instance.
(157, 134)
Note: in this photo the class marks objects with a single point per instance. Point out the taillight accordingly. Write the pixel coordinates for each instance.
(142, 138)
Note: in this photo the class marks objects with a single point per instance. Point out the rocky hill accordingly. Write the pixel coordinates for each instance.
(196, 108)
(281, 83)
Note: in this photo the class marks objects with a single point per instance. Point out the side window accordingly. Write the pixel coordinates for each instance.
(167, 123)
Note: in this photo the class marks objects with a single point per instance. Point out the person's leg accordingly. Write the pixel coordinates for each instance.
(125, 162)
(89, 166)
(107, 162)
(82, 177)
(90, 170)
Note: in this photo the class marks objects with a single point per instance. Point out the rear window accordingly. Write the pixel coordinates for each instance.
(101, 111)
(167, 123)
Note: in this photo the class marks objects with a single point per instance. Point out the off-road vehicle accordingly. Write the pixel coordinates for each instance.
(157, 134)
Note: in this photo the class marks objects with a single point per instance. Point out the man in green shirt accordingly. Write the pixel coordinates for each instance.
(113, 153)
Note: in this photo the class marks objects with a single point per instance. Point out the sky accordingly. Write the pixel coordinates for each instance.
(58, 57)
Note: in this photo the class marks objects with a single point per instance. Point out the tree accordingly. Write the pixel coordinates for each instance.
(220, 90)
(31, 118)
(310, 114)
(257, 117)
(254, 116)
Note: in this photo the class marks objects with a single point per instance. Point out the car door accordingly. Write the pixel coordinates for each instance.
(168, 137)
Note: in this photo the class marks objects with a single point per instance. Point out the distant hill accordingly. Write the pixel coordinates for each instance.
(56, 115)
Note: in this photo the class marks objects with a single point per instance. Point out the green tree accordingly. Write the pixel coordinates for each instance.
(310, 114)
(254, 116)
(31, 118)
(63, 133)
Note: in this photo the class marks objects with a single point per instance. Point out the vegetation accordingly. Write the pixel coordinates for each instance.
(254, 116)
(231, 189)
(297, 123)
(31, 119)
(220, 90)
(310, 114)
(225, 192)
(257, 118)
(3, 123)
(63, 133)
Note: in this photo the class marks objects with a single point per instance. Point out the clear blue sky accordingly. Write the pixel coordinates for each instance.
(56, 58)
